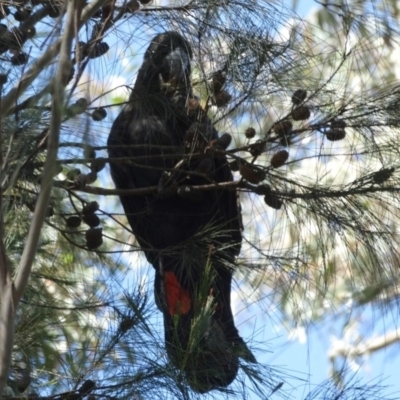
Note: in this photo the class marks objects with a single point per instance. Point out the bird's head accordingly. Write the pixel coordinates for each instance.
(166, 66)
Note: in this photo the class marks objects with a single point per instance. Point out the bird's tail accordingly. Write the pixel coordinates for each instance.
(200, 334)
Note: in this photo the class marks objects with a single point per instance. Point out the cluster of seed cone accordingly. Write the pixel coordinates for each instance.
(12, 40)
(79, 179)
(334, 131)
(23, 15)
(96, 47)
(93, 235)
(80, 107)
(220, 96)
(255, 175)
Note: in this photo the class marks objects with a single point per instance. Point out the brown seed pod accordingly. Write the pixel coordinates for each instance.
(91, 219)
(91, 177)
(99, 114)
(82, 102)
(224, 140)
(257, 148)
(73, 222)
(222, 98)
(335, 134)
(218, 81)
(383, 175)
(99, 50)
(251, 173)
(273, 201)
(80, 181)
(279, 158)
(299, 96)
(97, 164)
(250, 133)
(301, 113)
(283, 128)
(263, 189)
(87, 387)
(91, 207)
(94, 238)
(132, 6)
(19, 59)
(127, 323)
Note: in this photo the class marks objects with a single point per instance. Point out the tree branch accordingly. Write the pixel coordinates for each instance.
(233, 185)
(367, 347)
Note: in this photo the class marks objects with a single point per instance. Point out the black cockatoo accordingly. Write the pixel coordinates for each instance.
(190, 237)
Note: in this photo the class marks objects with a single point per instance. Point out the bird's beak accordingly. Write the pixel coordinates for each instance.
(176, 66)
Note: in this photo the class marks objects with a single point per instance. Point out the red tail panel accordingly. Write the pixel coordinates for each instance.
(178, 298)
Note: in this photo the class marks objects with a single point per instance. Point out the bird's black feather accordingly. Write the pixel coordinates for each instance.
(182, 234)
